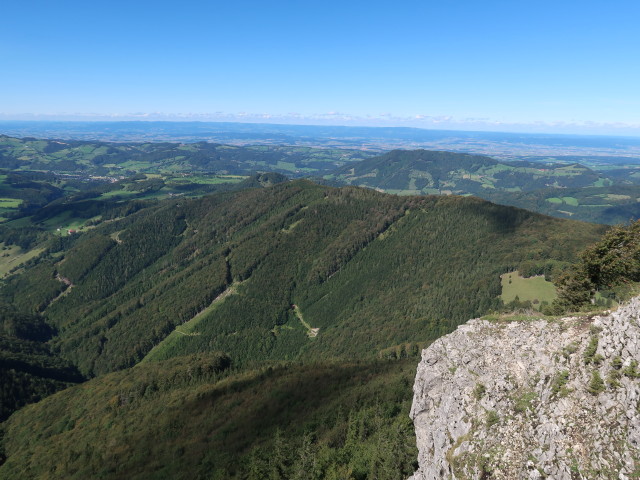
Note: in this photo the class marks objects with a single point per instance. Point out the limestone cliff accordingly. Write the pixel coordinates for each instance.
(532, 399)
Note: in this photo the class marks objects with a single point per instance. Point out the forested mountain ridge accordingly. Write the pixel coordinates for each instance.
(426, 171)
(369, 270)
(563, 190)
(187, 300)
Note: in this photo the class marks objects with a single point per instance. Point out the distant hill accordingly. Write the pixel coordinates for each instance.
(57, 168)
(425, 171)
(564, 190)
(584, 149)
(118, 159)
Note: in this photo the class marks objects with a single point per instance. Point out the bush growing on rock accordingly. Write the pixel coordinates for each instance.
(611, 264)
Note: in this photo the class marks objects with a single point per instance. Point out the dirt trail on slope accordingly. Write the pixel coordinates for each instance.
(311, 332)
(63, 293)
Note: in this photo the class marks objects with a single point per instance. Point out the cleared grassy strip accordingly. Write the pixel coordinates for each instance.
(61, 224)
(311, 332)
(613, 197)
(187, 328)
(534, 289)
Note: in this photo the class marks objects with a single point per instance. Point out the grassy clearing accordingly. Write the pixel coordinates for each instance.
(570, 201)
(118, 193)
(61, 224)
(13, 256)
(20, 222)
(534, 289)
(291, 167)
(213, 180)
(614, 198)
(10, 202)
(602, 182)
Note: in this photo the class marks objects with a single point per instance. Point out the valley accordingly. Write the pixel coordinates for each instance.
(319, 241)
(243, 324)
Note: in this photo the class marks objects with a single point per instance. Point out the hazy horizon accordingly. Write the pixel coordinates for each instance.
(547, 67)
(537, 129)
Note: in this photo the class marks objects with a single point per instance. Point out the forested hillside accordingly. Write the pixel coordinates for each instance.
(236, 320)
(253, 273)
(29, 369)
(425, 171)
(563, 190)
(192, 418)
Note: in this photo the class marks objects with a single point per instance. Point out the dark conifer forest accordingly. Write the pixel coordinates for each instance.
(266, 332)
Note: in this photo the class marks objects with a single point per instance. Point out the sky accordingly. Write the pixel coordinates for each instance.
(517, 65)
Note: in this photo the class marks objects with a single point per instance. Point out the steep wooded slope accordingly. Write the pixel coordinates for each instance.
(29, 370)
(187, 418)
(369, 270)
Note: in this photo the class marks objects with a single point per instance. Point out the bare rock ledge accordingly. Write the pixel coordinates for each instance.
(531, 400)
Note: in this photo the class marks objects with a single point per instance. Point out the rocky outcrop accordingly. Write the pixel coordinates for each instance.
(532, 399)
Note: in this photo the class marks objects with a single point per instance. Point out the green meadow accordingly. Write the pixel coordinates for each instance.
(13, 256)
(534, 289)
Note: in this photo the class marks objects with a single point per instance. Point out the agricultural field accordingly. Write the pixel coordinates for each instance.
(564, 200)
(160, 186)
(533, 289)
(10, 203)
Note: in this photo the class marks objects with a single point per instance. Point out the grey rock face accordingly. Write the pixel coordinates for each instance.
(531, 400)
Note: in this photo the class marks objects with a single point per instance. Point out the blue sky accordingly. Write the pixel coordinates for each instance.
(563, 66)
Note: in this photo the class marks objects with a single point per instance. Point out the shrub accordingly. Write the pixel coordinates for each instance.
(559, 384)
(479, 391)
(596, 385)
